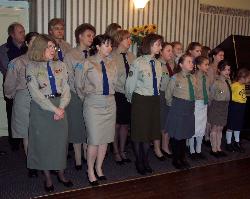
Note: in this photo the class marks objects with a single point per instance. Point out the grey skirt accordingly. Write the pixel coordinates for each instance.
(217, 113)
(180, 122)
(20, 114)
(48, 139)
(99, 113)
(164, 109)
(77, 132)
(145, 118)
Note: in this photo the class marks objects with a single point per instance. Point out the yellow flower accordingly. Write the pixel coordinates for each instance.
(134, 31)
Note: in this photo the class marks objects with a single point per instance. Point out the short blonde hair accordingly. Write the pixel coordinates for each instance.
(119, 36)
(39, 45)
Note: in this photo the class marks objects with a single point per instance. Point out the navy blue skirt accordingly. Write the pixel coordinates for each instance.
(180, 123)
(123, 109)
(235, 119)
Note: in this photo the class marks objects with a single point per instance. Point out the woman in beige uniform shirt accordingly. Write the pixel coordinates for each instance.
(123, 59)
(74, 58)
(48, 130)
(95, 83)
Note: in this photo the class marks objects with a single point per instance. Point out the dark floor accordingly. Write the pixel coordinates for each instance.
(228, 180)
(14, 182)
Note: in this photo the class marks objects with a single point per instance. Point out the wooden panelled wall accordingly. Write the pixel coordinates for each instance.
(177, 20)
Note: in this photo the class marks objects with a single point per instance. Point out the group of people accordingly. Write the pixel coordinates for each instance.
(99, 93)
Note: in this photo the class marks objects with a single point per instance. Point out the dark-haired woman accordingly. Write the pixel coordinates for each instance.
(74, 58)
(96, 82)
(142, 90)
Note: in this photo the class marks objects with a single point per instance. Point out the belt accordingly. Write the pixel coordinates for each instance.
(53, 95)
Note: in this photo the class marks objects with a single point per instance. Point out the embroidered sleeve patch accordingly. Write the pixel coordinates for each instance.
(79, 66)
(11, 65)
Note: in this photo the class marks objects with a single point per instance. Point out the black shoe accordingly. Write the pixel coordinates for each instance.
(162, 158)
(101, 178)
(78, 167)
(238, 147)
(32, 173)
(222, 154)
(48, 189)
(177, 165)
(94, 183)
(185, 164)
(140, 169)
(230, 148)
(193, 156)
(201, 156)
(124, 157)
(148, 169)
(215, 154)
(65, 183)
(166, 154)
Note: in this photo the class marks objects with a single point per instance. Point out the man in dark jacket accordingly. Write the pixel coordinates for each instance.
(14, 47)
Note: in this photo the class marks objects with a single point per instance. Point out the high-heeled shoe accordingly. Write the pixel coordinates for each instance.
(93, 183)
(101, 178)
(162, 158)
(168, 155)
(48, 189)
(118, 159)
(65, 183)
(125, 158)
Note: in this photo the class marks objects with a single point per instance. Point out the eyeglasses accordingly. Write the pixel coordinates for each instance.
(52, 47)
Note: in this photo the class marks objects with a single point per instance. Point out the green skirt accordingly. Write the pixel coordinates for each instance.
(145, 118)
(48, 139)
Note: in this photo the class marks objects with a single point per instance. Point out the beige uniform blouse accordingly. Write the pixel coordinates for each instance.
(140, 79)
(15, 77)
(199, 85)
(73, 59)
(121, 69)
(178, 87)
(165, 76)
(89, 78)
(219, 90)
(39, 84)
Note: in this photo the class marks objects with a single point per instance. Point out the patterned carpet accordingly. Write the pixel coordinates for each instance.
(15, 184)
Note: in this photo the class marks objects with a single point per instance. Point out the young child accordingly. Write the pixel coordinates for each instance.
(177, 51)
(194, 48)
(201, 94)
(180, 123)
(166, 55)
(215, 56)
(236, 111)
(142, 90)
(220, 94)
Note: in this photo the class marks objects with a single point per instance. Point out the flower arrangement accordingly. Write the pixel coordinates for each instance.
(137, 33)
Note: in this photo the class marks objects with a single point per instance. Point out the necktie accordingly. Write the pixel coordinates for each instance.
(85, 53)
(51, 80)
(191, 88)
(154, 78)
(230, 90)
(60, 55)
(105, 80)
(170, 71)
(204, 89)
(126, 63)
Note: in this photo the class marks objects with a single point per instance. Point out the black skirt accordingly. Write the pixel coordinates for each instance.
(235, 119)
(180, 123)
(145, 118)
(123, 109)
